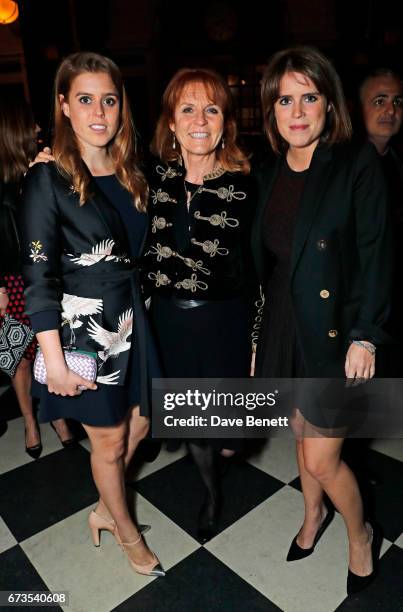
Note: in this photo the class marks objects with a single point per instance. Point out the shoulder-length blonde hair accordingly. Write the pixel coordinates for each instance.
(17, 139)
(122, 148)
(231, 157)
(314, 65)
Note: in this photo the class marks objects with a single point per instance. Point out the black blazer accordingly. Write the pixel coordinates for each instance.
(340, 276)
(75, 261)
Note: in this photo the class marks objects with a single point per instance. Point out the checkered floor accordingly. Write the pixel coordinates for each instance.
(45, 543)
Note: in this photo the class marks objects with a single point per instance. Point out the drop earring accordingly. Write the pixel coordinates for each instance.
(173, 141)
(223, 143)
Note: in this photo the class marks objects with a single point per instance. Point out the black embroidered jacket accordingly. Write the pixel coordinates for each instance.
(201, 251)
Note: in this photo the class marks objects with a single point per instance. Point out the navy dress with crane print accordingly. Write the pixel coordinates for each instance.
(80, 270)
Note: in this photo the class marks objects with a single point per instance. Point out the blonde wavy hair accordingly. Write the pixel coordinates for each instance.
(122, 148)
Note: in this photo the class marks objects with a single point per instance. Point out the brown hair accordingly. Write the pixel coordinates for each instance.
(17, 139)
(313, 64)
(231, 157)
(121, 148)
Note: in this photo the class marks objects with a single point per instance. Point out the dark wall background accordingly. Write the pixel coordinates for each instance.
(150, 39)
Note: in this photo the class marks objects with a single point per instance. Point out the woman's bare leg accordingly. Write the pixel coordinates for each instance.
(322, 461)
(315, 510)
(137, 430)
(21, 382)
(107, 460)
(62, 430)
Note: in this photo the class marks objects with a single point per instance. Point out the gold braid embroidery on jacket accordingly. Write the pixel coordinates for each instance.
(259, 304)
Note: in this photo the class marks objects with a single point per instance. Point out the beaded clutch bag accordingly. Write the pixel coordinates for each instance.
(80, 362)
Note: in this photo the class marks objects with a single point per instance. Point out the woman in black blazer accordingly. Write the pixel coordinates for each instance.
(83, 227)
(322, 251)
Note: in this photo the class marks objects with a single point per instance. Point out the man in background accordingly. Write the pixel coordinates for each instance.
(381, 97)
(381, 102)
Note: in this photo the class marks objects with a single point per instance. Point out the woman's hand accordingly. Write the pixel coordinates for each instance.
(43, 156)
(65, 382)
(3, 301)
(61, 380)
(360, 364)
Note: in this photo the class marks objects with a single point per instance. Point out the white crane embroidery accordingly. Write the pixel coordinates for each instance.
(109, 379)
(75, 307)
(113, 343)
(102, 250)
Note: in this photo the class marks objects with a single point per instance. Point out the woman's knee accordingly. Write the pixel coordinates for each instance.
(320, 468)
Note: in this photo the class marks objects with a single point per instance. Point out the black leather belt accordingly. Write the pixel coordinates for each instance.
(185, 304)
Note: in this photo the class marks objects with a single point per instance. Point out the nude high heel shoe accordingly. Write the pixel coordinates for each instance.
(151, 569)
(98, 523)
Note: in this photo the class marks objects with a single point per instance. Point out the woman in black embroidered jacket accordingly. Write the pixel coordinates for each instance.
(17, 148)
(197, 259)
(83, 226)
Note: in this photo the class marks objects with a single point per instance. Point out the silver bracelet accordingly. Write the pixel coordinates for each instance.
(371, 348)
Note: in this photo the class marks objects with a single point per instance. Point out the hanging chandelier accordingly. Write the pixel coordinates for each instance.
(8, 11)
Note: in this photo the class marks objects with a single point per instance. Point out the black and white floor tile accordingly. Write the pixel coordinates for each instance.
(45, 543)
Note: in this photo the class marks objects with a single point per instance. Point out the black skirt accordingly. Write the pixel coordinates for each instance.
(208, 341)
